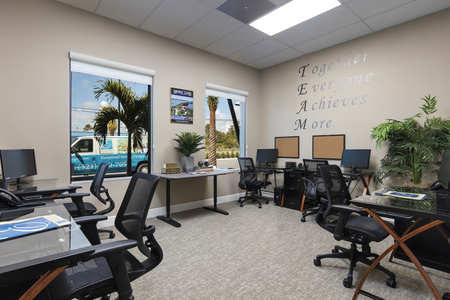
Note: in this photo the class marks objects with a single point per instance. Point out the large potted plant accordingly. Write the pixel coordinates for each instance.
(414, 149)
(188, 143)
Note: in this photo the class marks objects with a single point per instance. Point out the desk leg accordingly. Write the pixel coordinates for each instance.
(167, 218)
(41, 284)
(215, 200)
(400, 241)
(366, 184)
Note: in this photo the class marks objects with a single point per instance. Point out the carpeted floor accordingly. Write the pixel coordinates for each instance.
(264, 253)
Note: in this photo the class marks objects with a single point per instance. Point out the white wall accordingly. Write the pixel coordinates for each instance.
(398, 65)
(34, 74)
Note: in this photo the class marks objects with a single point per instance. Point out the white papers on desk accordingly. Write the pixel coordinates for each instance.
(14, 229)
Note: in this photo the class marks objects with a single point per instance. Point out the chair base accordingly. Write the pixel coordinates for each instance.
(307, 212)
(111, 233)
(356, 256)
(254, 198)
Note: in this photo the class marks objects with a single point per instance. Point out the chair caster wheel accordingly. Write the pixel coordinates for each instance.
(242, 205)
(347, 282)
(267, 201)
(303, 219)
(259, 206)
(391, 283)
(112, 235)
(334, 251)
(317, 262)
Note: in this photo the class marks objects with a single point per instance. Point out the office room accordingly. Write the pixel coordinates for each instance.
(345, 88)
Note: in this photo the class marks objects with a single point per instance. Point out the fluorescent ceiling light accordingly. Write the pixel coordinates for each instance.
(291, 14)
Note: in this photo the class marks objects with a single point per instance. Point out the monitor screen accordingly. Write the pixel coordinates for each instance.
(266, 156)
(355, 159)
(444, 170)
(18, 163)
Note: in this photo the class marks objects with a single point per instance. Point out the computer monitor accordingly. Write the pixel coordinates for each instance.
(355, 159)
(266, 156)
(17, 164)
(444, 170)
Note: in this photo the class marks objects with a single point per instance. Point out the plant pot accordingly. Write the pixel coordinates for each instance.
(187, 163)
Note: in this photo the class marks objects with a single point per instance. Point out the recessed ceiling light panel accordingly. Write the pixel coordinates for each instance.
(291, 14)
(246, 11)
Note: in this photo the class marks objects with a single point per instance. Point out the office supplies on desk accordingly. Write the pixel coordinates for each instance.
(14, 229)
(404, 195)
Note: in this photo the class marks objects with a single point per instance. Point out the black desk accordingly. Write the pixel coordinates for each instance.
(45, 253)
(183, 176)
(394, 207)
(35, 189)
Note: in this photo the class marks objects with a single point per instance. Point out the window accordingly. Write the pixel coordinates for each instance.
(100, 94)
(226, 107)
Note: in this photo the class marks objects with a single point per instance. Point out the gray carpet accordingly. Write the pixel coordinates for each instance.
(264, 253)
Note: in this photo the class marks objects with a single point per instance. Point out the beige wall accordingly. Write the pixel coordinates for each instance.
(34, 73)
(405, 62)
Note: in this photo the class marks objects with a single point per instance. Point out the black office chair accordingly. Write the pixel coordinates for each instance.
(348, 223)
(112, 267)
(249, 181)
(313, 190)
(79, 208)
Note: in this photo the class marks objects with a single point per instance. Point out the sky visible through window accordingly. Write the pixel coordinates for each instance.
(223, 114)
(85, 106)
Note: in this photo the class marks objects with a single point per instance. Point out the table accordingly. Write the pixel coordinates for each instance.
(45, 253)
(183, 176)
(394, 207)
(34, 189)
(364, 177)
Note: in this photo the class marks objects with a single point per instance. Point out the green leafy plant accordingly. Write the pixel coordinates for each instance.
(414, 149)
(188, 143)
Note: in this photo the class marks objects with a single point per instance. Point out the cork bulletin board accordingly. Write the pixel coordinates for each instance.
(328, 146)
(288, 146)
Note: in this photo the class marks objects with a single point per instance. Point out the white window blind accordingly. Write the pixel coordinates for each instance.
(225, 92)
(87, 64)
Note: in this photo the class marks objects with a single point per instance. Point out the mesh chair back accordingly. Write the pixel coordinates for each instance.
(130, 219)
(335, 187)
(248, 171)
(311, 168)
(97, 182)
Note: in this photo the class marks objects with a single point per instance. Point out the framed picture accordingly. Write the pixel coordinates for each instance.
(328, 146)
(288, 146)
(181, 106)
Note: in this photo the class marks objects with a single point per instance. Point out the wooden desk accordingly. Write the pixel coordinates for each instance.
(44, 254)
(363, 177)
(184, 176)
(394, 207)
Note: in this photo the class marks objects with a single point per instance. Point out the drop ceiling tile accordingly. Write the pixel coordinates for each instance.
(334, 38)
(257, 51)
(369, 8)
(280, 2)
(277, 58)
(239, 39)
(172, 17)
(209, 29)
(327, 22)
(89, 5)
(131, 12)
(406, 13)
(213, 3)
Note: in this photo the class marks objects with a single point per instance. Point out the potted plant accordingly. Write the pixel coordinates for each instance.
(188, 144)
(414, 149)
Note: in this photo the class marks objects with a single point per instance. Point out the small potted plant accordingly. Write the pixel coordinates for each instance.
(188, 144)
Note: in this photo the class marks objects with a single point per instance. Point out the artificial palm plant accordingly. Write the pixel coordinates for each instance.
(414, 149)
(188, 143)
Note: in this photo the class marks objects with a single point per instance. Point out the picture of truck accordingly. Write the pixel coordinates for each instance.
(88, 152)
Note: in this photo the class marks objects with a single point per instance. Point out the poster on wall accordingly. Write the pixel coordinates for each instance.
(181, 106)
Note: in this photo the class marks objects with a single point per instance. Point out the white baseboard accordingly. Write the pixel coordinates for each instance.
(153, 212)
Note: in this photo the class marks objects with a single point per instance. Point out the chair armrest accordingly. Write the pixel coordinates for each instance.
(88, 224)
(89, 219)
(344, 214)
(71, 195)
(77, 198)
(111, 248)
